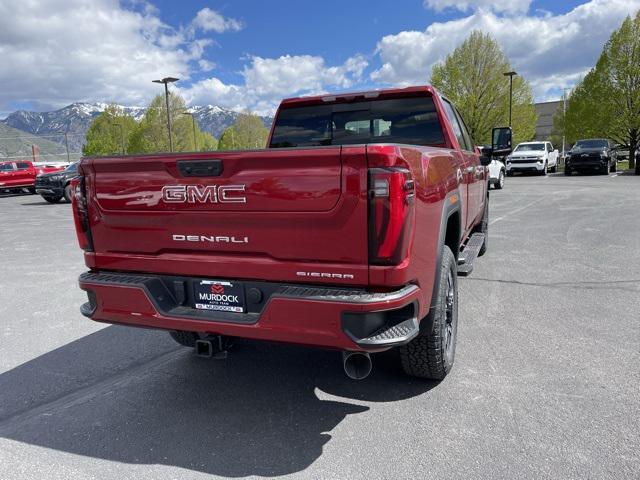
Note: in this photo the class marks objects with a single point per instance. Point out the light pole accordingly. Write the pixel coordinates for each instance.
(510, 75)
(121, 135)
(193, 123)
(564, 118)
(66, 144)
(166, 81)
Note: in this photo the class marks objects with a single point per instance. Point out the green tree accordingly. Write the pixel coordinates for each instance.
(109, 132)
(151, 134)
(472, 78)
(607, 102)
(246, 133)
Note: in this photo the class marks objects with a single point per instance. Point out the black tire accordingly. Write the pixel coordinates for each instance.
(52, 199)
(567, 171)
(614, 166)
(187, 339)
(32, 190)
(431, 354)
(554, 169)
(509, 173)
(67, 193)
(544, 170)
(500, 183)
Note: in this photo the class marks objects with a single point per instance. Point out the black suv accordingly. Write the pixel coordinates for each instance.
(588, 155)
(54, 186)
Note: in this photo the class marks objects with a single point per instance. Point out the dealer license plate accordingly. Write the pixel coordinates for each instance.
(219, 295)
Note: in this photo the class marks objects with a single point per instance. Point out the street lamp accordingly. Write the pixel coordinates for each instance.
(193, 123)
(564, 119)
(166, 81)
(510, 75)
(121, 135)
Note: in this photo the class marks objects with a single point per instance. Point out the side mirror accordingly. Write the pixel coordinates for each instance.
(501, 141)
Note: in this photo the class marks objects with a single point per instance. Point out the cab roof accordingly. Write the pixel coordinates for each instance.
(346, 97)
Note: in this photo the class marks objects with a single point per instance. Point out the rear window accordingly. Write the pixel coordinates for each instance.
(22, 165)
(412, 121)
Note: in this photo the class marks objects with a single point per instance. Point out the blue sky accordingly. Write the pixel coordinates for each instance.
(249, 54)
(334, 30)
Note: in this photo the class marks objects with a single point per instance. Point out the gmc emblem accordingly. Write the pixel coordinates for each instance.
(203, 194)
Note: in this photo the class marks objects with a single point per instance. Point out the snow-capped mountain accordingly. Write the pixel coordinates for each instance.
(75, 119)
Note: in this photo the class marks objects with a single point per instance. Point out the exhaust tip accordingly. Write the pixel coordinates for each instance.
(357, 365)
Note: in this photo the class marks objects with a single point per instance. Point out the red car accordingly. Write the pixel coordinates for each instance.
(347, 232)
(22, 174)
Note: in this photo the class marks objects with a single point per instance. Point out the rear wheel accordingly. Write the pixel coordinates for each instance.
(67, 193)
(32, 190)
(431, 354)
(500, 183)
(614, 166)
(554, 169)
(52, 199)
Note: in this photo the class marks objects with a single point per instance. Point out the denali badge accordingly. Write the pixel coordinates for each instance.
(209, 239)
(344, 276)
(203, 194)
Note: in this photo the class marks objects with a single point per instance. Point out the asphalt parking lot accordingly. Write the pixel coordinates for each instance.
(545, 385)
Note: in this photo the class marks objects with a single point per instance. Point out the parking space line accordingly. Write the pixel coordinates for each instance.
(519, 209)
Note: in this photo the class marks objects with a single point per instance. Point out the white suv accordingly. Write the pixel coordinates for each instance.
(533, 157)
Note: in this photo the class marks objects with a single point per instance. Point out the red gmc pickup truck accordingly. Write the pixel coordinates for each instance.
(347, 232)
(22, 174)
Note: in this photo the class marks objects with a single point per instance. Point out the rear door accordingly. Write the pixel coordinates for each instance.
(472, 158)
(24, 174)
(471, 164)
(282, 214)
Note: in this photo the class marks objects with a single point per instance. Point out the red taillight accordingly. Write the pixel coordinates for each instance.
(81, 213)
(391, 207)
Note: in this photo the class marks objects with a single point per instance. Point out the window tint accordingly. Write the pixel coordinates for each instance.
(411, 121)
(22, 166)
(465, 131)
(457, 130)
(72, 168)
(6, 167)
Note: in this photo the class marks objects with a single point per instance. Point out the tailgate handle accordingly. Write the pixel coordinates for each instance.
(200, 168)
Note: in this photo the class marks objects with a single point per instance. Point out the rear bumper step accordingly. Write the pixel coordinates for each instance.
(345, 318)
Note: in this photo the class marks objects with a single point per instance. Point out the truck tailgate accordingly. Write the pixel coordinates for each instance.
(283, 214)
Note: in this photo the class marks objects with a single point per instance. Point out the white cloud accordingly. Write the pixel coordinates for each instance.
(56, 52)
(545, 49)
(268, 80)
(510, 6)
(210, 20)
(206, 65)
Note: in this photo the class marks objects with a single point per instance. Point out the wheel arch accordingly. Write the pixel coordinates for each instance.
(450, 235)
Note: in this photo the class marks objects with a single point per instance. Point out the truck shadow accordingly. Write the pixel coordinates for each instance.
(132, 396)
